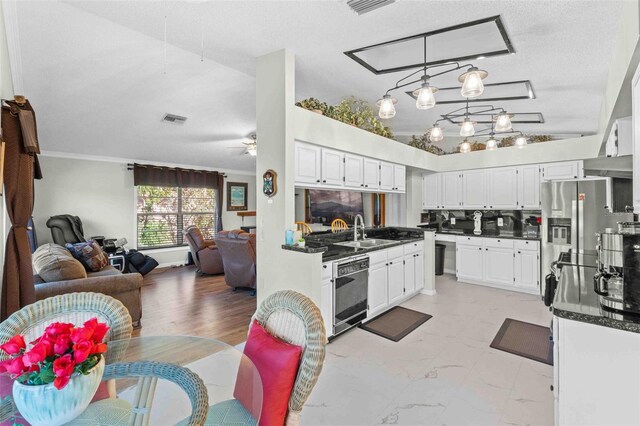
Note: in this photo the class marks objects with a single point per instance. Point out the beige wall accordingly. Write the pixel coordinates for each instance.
(101, 193)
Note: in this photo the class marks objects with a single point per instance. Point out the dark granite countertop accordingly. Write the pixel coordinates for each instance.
(576, 300)
(515, 235)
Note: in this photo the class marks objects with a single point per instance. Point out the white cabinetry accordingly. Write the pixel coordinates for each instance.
(386, 176)
(409, 266)
(332, 167)
(432, 191)
(451, 189)
(326, 297)
(377, 287)
(419, 268)
(502, 191)
(635, 129)
(498, 261)
(620, 140)
(562, 170)
(474, 189)
(399, 177)
(469, 258)
(395, 274)
(308, 164)
(529, 187)
(353, 171)
(527, 265)
(371, 173)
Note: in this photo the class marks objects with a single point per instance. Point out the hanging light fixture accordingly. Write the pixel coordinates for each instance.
(471, 80)
(465, 146)
(492, 144)
(424, 95)
(503, 122)
(521, 141)
(387, 107)
(435, 134)
(466, 128)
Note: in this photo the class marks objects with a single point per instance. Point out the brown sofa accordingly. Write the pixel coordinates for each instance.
(238, 251)
(204, 252)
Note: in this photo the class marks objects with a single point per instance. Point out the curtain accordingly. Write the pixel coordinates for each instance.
(219, 193)
(20, 168)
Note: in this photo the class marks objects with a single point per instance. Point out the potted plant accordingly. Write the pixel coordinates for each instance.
(56, 375)
(301, 242)
(313, 104)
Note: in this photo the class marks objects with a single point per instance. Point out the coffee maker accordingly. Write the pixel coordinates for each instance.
(617, 280)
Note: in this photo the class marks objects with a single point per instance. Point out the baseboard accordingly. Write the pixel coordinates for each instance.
(429, 292)
(449, 271)
(499, 286)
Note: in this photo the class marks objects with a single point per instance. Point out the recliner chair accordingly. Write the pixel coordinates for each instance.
(66, 228)
(238, 251)
(204, 252)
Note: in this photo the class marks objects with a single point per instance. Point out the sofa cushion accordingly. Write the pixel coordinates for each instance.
(104, 272)
(54, 263)
(89, 254)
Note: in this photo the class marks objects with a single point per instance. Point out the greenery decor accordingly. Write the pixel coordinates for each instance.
(313, 104)
(424, 143)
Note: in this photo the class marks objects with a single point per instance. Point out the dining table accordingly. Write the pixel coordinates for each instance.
(216, 363)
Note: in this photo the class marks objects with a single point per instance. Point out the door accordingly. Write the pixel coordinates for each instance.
(419, 271)
(502, 188)
(451, 189)
(469, 262)
(399, 177)
(353, 171)
(371, 173)
(529, 187)
(326, 305)
(409, 274)
(377, 288)
(332, 167)
(474, 189)
(498, 266)
(386, 176)
(395, 279)
(527, 269)
(308, 164)
(432, 189)
(562, 170)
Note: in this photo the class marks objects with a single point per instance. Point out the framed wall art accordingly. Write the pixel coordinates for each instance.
(237, 196)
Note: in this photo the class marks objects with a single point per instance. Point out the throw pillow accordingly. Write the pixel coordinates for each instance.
(54, 263)
(89, 254)
(277, 363)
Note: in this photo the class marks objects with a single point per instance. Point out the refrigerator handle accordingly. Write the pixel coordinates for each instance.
(574, 225)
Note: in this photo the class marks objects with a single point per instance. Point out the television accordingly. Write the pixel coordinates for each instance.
(326, 206)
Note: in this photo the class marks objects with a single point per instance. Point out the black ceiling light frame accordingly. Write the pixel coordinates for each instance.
(528, 87)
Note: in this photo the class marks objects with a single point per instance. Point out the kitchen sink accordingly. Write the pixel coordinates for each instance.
(368, 243)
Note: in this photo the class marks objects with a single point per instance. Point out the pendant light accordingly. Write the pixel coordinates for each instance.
(435, 134)
(466, 128)
(387, 107)
(424, 95)
(521, 142)
(465, 147)
(503, 122)
(471, 80)
(492, 144)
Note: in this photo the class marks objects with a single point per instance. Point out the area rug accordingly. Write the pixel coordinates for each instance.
(396, 323)
(525, 339)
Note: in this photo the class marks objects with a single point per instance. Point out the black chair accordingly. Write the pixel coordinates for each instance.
(66, 228)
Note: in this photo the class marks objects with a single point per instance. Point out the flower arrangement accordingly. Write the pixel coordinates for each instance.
(62, 351)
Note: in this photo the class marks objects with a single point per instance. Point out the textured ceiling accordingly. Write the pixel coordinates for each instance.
(96, 72)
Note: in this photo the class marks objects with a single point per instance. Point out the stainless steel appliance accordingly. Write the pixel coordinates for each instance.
(617, 281)
(573, 211)
(351, 287)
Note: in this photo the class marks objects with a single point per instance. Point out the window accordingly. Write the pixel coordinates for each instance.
(163, 212)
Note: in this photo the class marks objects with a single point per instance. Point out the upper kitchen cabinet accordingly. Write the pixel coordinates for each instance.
(502, 188)
(562, 170)
(371, 173)
(332, 167)
(474, 189)
(386, 176)
(451, 190)
(529, 187)
(432, 191)
(353, 171)
(308, 164)
(399, 177)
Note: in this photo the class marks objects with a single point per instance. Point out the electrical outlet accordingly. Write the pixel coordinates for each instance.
(500, 221)
(453, 220)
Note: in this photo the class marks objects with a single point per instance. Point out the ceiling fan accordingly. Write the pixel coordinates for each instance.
(250, 146)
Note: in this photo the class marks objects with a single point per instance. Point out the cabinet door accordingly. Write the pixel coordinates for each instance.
(529, 187)
(395, 279)
(527, 269)
(451, 189)
(307, 164)
(419, 271)
(377, 288)
(474, 189)
(498, 266)
(353, 171)
(326, 305)
(399, 177)
(502, 188)
(432, 191)
(386, 176)
(409, 265)
(371, 173)
(469, 262)
(332, 167)
(562, 170)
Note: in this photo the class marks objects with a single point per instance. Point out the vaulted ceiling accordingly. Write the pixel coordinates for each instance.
(101, 76)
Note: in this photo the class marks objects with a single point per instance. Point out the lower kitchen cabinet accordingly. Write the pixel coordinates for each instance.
(469, 262)
(377, 288)
(527, 265)
(419, 268)
(395, 274)
(498, 261)
(409, 267)
(326, 297)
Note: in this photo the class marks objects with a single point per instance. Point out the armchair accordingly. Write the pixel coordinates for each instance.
(204, 252)
(238, 251)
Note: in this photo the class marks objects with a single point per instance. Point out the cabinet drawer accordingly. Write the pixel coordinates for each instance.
(327, 271)
(527, 245)
(395, 252)
(378, 256)
(445, 238)
(413, 247)
(498, 243)
(470, 241)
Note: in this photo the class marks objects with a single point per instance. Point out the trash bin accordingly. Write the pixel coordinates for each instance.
(440, 259)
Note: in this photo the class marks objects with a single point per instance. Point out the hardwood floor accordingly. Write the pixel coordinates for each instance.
(177, 301)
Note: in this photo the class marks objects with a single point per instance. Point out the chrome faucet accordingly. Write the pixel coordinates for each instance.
(355, 228)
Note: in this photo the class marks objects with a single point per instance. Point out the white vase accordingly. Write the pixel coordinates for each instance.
(46, 405)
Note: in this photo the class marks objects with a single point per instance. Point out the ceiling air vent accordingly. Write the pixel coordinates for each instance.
(364, 6)
(175, 119)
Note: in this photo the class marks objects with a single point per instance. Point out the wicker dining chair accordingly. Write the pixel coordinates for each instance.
(339, 225)
(120, 412)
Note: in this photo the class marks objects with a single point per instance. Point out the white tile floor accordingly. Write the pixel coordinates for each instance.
(443, 373)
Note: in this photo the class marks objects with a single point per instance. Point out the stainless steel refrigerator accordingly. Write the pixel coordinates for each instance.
(573, 211)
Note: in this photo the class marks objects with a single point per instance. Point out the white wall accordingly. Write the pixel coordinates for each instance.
(102, 194)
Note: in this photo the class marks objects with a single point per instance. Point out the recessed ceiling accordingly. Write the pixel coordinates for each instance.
(100, 81)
